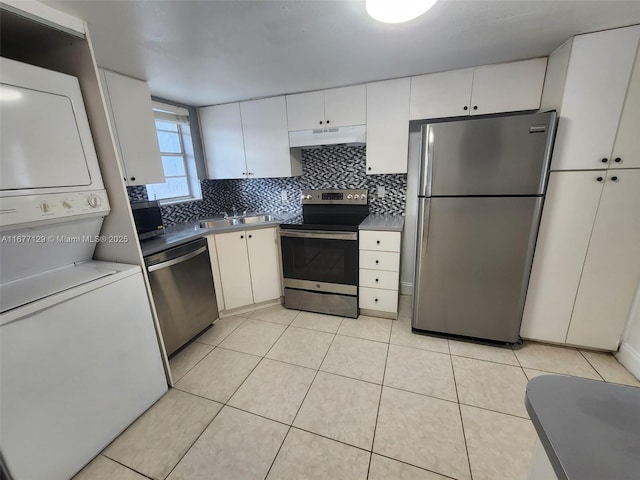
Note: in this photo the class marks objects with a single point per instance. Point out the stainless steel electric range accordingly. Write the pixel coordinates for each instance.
(320, 252)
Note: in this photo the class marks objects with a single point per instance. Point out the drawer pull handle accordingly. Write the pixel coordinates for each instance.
(377, 262)
(376, 300)
(241, 236)
(377, 280)
(377, 242)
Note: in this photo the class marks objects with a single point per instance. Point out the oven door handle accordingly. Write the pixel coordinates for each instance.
(319, 234)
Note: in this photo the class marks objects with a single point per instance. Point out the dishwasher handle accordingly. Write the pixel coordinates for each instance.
(178, 260)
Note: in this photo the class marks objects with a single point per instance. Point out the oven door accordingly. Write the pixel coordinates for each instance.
(320, 260)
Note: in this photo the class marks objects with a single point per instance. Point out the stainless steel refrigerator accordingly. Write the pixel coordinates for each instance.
(482, 184)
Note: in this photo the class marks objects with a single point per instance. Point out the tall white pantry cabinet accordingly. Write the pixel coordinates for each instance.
(586, 267)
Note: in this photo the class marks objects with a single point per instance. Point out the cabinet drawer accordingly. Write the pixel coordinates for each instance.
(389, 261)
(383, 241)
(376, 299)
(379, 279)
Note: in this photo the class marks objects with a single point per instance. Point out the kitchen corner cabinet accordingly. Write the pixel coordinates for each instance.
(248, 140)
(131, 114)
(379, 273)
(337, 107)
(388, 126)
(506, 87)
(586, 266)
(597, 80)
(248, 266)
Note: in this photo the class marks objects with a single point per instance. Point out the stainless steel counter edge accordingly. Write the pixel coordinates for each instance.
(381, 222)
(188, 231)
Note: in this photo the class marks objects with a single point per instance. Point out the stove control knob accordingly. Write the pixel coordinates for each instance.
(45, 207)
(66, 204)
(349, 197)
(303, 196)
(309, 197)
(356, 197)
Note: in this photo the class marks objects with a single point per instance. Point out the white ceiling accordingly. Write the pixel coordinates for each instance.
(210, 52)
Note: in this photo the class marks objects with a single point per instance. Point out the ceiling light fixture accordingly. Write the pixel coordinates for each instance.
(397, 11)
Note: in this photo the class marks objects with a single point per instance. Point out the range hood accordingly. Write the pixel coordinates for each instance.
(356, 134)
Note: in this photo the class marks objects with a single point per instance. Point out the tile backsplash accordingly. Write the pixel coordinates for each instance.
(330, 167)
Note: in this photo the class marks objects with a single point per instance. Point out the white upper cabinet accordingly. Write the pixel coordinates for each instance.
(248, 140)
(388, 126)
(338, 107)
(612, 266)
(131, 114)
(222, 140)
(596, 83)
(439, 95)
(305, 111)
(345, 106)
(506, 87)
(626, 150)
(266, 139)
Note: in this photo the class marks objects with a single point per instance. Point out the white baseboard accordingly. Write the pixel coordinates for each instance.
(406, 288)
(630, 358)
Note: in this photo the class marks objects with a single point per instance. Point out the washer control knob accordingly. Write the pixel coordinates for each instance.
(45, 207)
(66, 204)
(93, 201)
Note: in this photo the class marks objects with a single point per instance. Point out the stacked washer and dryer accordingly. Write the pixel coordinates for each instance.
(79, 355)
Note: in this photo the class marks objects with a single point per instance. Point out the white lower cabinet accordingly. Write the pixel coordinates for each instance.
(379, 273)
(587, 262)
(247, 264)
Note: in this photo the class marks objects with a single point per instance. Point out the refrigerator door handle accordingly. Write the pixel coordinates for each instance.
(424, 205)
(426, 163)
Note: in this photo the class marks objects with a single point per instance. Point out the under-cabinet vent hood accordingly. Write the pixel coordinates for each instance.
(356, 134)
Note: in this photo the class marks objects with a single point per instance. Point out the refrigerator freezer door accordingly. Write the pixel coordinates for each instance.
(472, 265)
(487, 156)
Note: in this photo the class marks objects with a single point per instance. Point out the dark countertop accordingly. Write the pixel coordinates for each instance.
(389, 223)
(590, 430)
(188, 231)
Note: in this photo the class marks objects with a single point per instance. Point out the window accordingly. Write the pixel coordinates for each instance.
(176, 149)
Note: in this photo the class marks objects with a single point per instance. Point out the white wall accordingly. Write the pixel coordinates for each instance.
(408, 256)
(629, 354)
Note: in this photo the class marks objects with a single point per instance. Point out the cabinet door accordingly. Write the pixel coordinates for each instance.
(345, 106)
(439, 95)
(508, 87)
(595, 87)
(626, 150)
(305, 111)
(135, 129)
(264, 260)
(266, 139)
(221, 128)
(388, 126)
(612, 267)
(234, 269)
(567, 219)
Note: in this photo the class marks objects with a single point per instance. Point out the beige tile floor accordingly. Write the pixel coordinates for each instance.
(279, 394)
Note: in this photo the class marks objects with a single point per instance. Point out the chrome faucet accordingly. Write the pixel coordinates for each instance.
(234, 210)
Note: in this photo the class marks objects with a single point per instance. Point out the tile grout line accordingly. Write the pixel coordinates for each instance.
(299, 407)
(119, 463)
(444, 475)
(375, 427)
(464, 435)
(591, 365)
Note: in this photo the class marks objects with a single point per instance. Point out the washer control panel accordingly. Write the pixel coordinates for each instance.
(28, 209)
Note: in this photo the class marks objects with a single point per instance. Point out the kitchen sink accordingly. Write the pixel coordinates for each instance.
(232, 221)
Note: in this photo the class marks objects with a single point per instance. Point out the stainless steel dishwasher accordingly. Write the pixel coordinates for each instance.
(182, 286)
